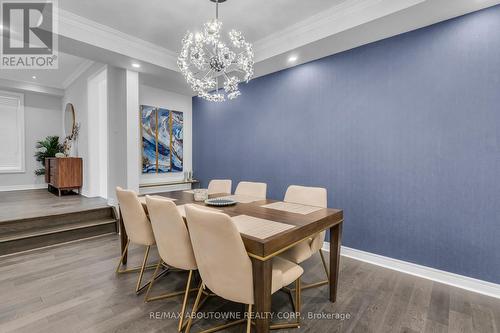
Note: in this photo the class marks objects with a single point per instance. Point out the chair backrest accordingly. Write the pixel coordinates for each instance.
(258, 190)
(222, 260)
(311, 196)
(134, 218)
(171, 234)
(220, 186)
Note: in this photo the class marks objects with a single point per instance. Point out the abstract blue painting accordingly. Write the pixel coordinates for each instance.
(148, 130)
(162, 132)
(163, 140)
(177, 140)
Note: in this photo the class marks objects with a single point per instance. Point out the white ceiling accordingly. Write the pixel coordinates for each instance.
(164, 23)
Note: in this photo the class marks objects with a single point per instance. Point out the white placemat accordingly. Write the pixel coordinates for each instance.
(259, 228)
(241, 198)
(293, 207)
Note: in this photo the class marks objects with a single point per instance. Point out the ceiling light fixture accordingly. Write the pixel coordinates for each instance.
(136, 65)
(207, 62)
(293, 58)
(33, 77)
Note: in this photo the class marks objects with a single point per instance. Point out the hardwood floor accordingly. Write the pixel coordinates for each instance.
(36, 218)
(17, 205)
(73, 288)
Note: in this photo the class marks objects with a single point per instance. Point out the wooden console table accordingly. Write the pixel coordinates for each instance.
(64, 173)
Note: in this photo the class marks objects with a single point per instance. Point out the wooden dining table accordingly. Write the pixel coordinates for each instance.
(262, 250)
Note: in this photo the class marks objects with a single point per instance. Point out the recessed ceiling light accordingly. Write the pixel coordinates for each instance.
(293, 58)
(136, 65)
(33, 77)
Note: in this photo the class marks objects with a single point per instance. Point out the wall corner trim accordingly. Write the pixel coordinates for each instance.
(452, 279)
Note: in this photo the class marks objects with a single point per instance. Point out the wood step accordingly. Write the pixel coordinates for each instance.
(36, 224)
(55, 229)
(55, 235)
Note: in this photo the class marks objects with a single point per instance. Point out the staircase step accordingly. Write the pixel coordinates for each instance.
(56, 234)
(36, 224)
(55, 229)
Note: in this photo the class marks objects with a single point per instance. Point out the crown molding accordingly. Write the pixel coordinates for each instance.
(76, 74)
(344, 16)
(84, 30)
(339, 18)
(30, 87)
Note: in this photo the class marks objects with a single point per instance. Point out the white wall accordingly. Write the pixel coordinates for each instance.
(172, 101)
(77, 94)
(133, 132)
(117, 135)
(97, 159)
(42, 117)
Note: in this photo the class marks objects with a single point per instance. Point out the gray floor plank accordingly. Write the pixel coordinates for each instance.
(73, 288)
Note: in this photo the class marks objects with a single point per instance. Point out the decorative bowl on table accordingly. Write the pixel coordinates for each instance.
(200, 194)
(220, 202)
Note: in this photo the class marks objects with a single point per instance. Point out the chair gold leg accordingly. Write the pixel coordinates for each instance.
(146, 255)
(146, 298)
(316, 284)
(283, 326)
(184, 302)
(164, 296)
(123, 255)
(298, 299)
(296, 308)
(195, 308)
(130, 270)
(249, 318)
(221, 327)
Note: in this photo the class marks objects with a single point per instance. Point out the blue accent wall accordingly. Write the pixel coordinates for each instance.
(404, 133)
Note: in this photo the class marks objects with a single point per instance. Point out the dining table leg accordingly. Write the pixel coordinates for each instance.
(123, 238)
(262, 276)
(335, 242)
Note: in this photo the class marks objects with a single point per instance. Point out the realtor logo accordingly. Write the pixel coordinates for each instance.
(29, 35)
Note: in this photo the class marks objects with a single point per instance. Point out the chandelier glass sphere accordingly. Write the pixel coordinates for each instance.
(212, 66)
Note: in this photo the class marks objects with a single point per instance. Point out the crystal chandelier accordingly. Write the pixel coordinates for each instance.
(206, 61)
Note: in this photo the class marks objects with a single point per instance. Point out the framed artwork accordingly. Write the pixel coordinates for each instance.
(162, 135)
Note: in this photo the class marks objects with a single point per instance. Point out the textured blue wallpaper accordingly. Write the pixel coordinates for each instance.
(404, 133)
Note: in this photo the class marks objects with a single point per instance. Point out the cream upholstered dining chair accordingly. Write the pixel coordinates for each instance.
(311, 196)
(225, 267)
(219, 186)
(252, 189)
(138, 230)
(174, 246)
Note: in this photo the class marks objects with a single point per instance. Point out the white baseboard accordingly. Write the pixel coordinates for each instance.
(452, 279)
(22, 187)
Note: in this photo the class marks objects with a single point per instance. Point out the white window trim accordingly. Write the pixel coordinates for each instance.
(21, 167)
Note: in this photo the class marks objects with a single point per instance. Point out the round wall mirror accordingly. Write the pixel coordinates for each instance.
(69, 119)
